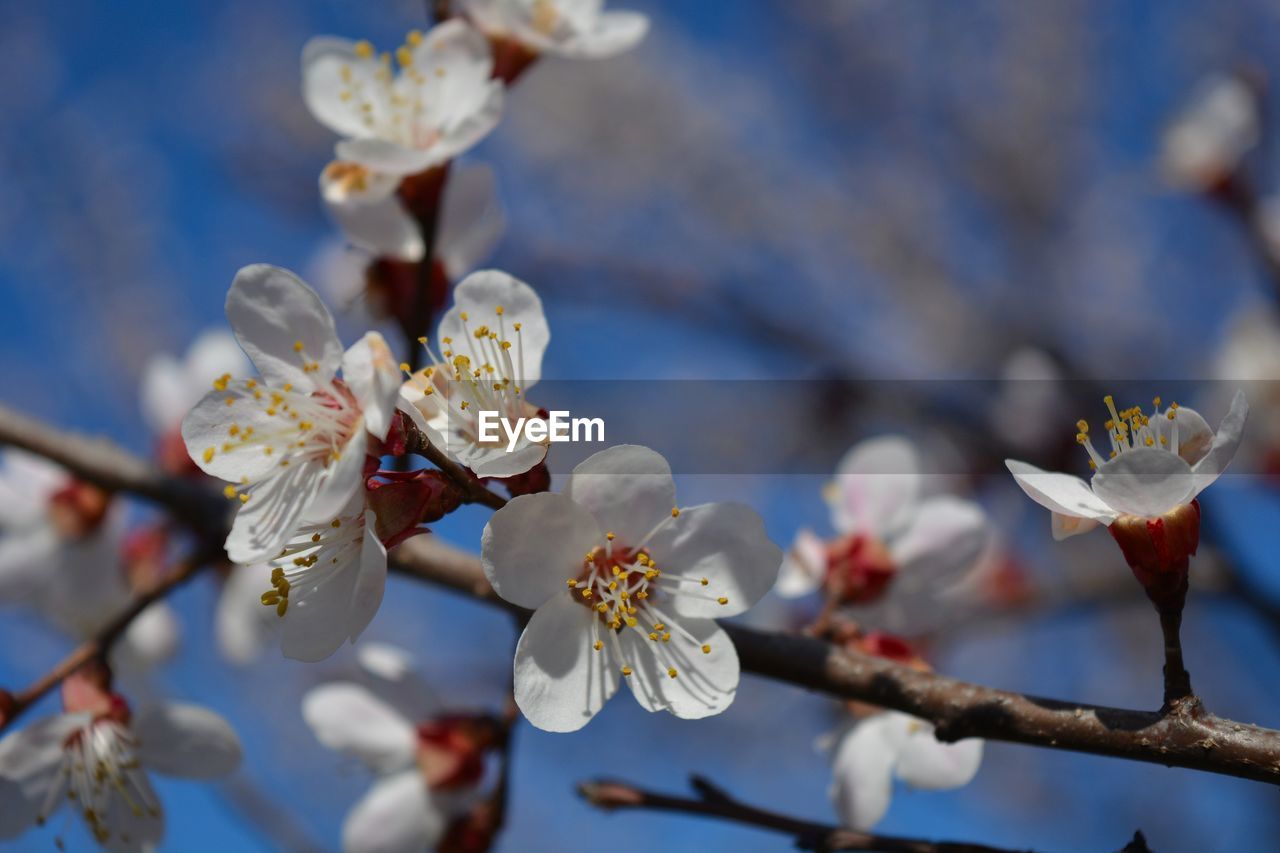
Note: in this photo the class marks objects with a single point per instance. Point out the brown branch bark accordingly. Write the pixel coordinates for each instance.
(1186, 736)
(713, 802)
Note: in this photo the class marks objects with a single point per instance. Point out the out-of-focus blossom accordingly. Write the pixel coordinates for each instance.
(625, 586)
(441, 102)
(95, 756)
(61, 548)
(890, 745)
(243, 628)
(470, 224)
(491, 344)
(1031, 399)
(171, 386)
(368, 210)
(293, 443)
(1204, 145)
(1250, 352)
(579, 29)
(891, 538)
(1154, 465)
(427, 767)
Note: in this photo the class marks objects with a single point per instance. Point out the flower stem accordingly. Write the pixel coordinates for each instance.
(1177, 681)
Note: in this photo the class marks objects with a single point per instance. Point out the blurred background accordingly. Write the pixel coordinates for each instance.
(862, 193)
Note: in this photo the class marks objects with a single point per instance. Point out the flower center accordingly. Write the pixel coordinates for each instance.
(479, 373)
(624, 586)
(859, 568)
(313, 557)
(98, 767)
(1130, 429)
(392, 106)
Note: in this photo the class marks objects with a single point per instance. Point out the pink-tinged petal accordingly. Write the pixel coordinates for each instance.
(398, 815)
(628, 488)
(925, 762)
(371, 580)
(373, 375)
(612, 34)
(1194, 435)
(862, 773)
(471, 222)
(560, 680)
(390, 158)
(479, 296)
(1145, 481)
(243, 626)
(271, 310)
(186, 740)
(724, 543)
(1060, 493)
(30, 759)
(876, 485)
(944, 538)
(348, 718)
(1066, 526)
(534, 544)
(1225, 444)
(365, 206)
(324, 81)
(705, 682)
(272, 512)
(803, 566)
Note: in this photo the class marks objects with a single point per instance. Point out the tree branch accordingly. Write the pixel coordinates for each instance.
(1185, 736)
(714, 802)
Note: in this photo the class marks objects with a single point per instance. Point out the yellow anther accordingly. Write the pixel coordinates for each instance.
(220, 384)
(617, 571)
(516, 327)
(499, 310)
(1150, 441)
(653, 636)
(626, 670)
(706, 650)
(722, 600)
(704, 581)
(675, 512)
(613, 584)
(1082, 425)
(208, 455)
(282, 607)
(666, 638)
(288, 386)
(586, 593)
(364, 49)
(632, 622)
(672, 672)
(598, 645)
(337, 522)
(270, 598)
(229, 491)
(244, 499)
(602, 607)
(297, 346)
(571, 583)
(609, 536)
(463, 316)
(404, 56)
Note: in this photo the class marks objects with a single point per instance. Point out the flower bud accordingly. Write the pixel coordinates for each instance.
(859, 568)
(404, 504)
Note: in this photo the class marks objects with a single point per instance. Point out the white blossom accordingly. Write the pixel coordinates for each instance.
(579, 29)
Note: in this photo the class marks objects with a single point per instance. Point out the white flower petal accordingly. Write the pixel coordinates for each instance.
(534, 544)
(1060, 493)
(497, 462)
(479, 295)
(876, 485)
(803, 566)
(628, 488)
(186, 740)
(275, 506)
(613, 33)
(394, 675)
(862, 773)
(205, 431)
(560, 681)
(370, 581)
(134, 830)
(726, 544)
(323, 61)
(945, 537)
(374, 377)
(370, 214)
(391, 158)
(29, 760)
(163, 393)
(1225, 443)
(471, 220)
(396, 816)
(348, 718)
(316, 623)
(152, 637)
(343, 482)
(1066, 526)
(705, 683)
(25, 558)
(1145, 481)
(925, 762)
(271, 309)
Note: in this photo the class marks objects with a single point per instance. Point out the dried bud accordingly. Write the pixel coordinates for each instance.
(404, 503)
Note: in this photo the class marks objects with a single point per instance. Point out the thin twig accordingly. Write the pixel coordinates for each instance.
(97, 646)
(712, 801)
(473, 489)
